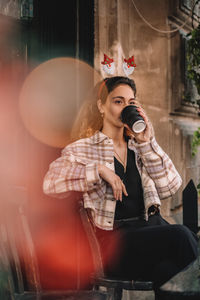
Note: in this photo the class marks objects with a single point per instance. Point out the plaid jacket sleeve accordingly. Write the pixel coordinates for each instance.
(70, 173)
(160, 168)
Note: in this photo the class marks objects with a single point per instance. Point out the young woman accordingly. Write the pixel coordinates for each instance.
(122, 176)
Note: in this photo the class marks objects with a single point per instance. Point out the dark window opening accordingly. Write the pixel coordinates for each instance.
(60, 28)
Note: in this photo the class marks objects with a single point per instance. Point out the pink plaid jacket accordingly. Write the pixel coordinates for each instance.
(77, 170)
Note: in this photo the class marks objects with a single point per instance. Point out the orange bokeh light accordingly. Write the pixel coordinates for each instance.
(51, 97)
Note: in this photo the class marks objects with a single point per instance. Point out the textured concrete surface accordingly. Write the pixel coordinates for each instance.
(138, 295)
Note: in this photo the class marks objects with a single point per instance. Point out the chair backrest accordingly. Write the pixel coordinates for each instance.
(92, 239)
(190, 206)
(7, 286)
(17, 249)
(28, 257)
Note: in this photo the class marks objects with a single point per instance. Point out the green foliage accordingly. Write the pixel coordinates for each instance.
(193, 57)
(198, 189)
(195, 141)
(194, 146)
(193, 71)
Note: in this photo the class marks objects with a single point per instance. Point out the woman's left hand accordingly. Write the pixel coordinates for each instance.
(147, 133)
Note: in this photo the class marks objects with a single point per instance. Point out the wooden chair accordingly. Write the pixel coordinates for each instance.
(114, 287)
(190, 206)
(19, 274)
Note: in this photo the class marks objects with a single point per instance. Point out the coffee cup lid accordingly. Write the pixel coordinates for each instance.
(139, 126)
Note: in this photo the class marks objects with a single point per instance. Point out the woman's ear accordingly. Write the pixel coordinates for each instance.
(100, 106)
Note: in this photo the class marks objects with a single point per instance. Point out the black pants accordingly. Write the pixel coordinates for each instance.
(152, 250)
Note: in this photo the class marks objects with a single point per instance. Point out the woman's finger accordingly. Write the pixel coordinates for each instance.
(124, 190)
(116, 188)
(119, 190)
(120, 195)
(142, 113)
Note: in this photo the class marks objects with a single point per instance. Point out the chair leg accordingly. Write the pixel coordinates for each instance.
(114, 293)
(95, 287)
(117, 293)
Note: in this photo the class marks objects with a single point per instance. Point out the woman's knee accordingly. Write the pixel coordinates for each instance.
(186, 238)
(182, 230)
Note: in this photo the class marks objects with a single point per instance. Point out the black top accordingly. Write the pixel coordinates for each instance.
(133, 204)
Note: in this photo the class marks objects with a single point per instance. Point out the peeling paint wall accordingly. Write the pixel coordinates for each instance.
(10, 8)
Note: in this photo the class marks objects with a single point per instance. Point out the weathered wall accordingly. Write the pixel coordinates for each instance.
(120, 33)
(10, 8)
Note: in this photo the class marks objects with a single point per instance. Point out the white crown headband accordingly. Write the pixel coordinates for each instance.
(109, 65)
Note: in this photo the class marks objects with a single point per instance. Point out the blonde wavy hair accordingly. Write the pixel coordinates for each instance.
(89, 119)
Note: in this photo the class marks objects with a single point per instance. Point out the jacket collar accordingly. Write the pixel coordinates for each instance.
(98, 137)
